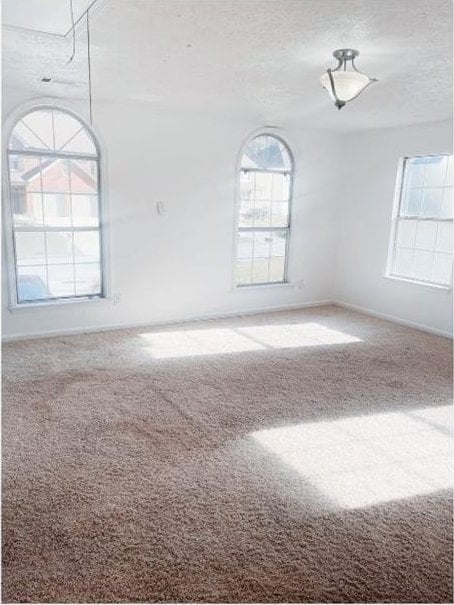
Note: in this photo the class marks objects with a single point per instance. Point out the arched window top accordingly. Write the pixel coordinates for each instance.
(266, 152)
(52, 130)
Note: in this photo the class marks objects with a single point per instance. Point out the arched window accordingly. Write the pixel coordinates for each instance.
(266, 173)
(53, 164)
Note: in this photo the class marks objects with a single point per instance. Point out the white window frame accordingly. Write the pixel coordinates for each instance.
(8, 227)
(395, 222)
(282, 138)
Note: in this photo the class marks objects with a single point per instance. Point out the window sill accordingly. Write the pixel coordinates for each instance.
(415, 282)
(278, 286)
(56, 303)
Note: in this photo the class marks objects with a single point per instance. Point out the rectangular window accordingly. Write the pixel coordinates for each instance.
(421, 247)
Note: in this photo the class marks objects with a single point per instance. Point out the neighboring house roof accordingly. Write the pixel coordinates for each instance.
(33, 172)
(30, 175)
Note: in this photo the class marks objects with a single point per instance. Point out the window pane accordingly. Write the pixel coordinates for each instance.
(65, 127)
(84, 176)
(55, 175)
(448, 203)
(61, 280)
(88, 279)
(59, 247)
(57, 209)
(27, 209)
(30, 248)
(411, 202)
(81, 143)
(24, 172)
(247, 183)
(266, 152)
(426, 234)
(18, 201)
(281, 186)
(264, 186)
(277, 269)
(442, 269)
(34, 131)
(85, 210)
(40, 123)
(279, 243)
(260, 269)
(423, 264)
(262, 214)
(406, 233)
(436, 170)
(86, 247)
(23, 138)
(431, 201)
(32, 283)
(414, 172)
(243, 271)
(279, 214)
(445, 237)
(403, 262)
(246, 218)
(245, 242)
(262, 243)
(449, 174)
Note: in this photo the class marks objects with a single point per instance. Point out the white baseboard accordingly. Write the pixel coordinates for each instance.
(153, 324)
(226, 315)
(392, 318)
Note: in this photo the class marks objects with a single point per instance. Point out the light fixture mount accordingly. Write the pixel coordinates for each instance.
(345, 54)
(345, 82)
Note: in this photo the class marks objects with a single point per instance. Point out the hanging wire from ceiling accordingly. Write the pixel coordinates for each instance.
(90, 98)
(73, 29)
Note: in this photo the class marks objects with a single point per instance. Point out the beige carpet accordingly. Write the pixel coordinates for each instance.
(300, 456)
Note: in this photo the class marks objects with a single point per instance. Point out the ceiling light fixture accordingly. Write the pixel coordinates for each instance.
(344, 83)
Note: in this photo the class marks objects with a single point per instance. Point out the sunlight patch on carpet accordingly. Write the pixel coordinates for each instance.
(218, 341)
(365, 460)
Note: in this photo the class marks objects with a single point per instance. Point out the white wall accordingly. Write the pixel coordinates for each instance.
(370, 162)
(179, 265)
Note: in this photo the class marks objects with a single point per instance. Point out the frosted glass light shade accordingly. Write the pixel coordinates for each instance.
(348, 84)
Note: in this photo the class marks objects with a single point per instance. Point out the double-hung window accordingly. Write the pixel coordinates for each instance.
(421, 247)
(266, 173)
(53, 169)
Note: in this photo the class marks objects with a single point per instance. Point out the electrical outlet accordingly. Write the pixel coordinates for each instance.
(117, 298)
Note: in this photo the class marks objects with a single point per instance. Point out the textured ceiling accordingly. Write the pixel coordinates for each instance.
(49, 16)
(259, 58)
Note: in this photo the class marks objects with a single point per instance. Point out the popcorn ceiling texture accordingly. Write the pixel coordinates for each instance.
(252, 59)
(131, 477)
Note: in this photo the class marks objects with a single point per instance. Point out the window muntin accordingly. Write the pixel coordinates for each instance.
(423, 231)
(266, 173)
(53, 166)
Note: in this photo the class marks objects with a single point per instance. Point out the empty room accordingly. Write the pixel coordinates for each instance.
(227, 315)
